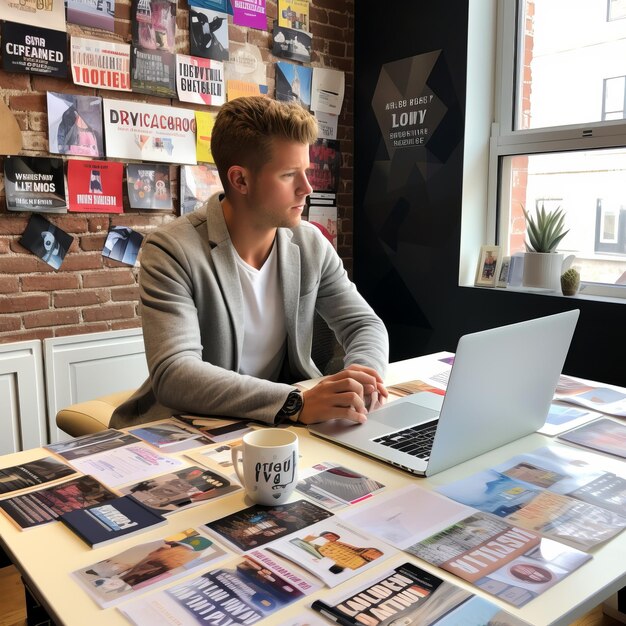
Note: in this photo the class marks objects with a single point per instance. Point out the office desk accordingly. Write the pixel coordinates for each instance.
(46, 556)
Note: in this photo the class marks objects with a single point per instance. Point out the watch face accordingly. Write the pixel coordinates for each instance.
(293, 403)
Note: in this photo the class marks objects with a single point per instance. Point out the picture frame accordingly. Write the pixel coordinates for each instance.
(503, 272)
(488, 266)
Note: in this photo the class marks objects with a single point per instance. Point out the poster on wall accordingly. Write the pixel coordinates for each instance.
(46, 241)
(154, 24)
(94, 186)
(327, 90)
(100, 64)
(204, 129)
(291, 44)
(240, 89)
(250, 13)
(246, 64)
(200, 80)
(149, 186)
(197, 184)
(149, 132)
(33, 50)
(153, 72)
(208, 34)
(94, 13)
(34, 184)
(293, 83)
(49, 14)
(326, 125)
(325, 158)
(294, 14)
(325, 219)
(75, 124)
(122, 244)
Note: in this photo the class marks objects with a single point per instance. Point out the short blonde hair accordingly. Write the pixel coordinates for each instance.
(245, 127)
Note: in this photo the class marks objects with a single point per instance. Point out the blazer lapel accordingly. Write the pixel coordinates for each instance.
(289, 272)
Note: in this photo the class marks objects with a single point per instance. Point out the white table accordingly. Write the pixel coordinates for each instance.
(46, 556)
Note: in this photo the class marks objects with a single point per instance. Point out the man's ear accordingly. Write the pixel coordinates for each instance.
(238, 179)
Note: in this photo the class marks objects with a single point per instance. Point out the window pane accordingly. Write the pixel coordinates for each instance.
(567, 48)
(589, 187)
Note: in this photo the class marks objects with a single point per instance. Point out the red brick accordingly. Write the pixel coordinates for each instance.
(337, 48)
(121, 294)
(92, 243)
(28, 102)
(9, 284)
(22, 265)
(22, 119)
(83, 329)
(259, 38)
(237, 34)
(98, 224)
(8, 324)
(49, 83)
(16, 304)
(5, 246)
(42, 333)
(81, 298)
(34, 143)
(51, 318)
(12, 225)
(50, 282)
(317, 15)
(11, 80)
(340, 20)
(73, 262)
(108, 278)
(71, 223)
(109, 312)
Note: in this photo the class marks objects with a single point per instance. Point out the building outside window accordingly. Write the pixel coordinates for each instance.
(561, 131)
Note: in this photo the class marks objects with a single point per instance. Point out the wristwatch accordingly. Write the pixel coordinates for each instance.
(292, 407)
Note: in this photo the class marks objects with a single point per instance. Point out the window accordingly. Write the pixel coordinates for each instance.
(560, 136)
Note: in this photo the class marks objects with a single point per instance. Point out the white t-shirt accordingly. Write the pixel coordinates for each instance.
(265, 332)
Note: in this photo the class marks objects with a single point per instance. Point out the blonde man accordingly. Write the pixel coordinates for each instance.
(229, 292)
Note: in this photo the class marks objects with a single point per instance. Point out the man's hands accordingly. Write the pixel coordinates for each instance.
(347, 394)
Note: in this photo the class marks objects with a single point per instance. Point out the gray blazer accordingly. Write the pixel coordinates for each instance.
(192, 318)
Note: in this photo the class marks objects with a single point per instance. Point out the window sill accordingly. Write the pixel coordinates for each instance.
(550, 292)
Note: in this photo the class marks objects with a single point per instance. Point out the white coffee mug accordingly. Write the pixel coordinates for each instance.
(269, 471)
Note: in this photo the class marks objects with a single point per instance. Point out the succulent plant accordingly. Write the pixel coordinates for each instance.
(545, 230)
(570, 281)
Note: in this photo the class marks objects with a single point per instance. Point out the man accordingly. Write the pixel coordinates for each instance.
(229, 292)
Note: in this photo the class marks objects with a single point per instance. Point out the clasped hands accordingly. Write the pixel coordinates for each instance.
(348, 394)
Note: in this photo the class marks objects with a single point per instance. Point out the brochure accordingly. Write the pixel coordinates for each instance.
(220, 454)
(181, 489)
(334, 486)
(258, 525)
(607, 399)
(171, 437)
(563, 416)
(512, 563)
(46, 505)
(217, 429)
(410, 596)
(332, 550)
(32, 474)
(147, 565)
(530, 506)
(91, 443)
(245, 592)
(102, 524)
(605, 435)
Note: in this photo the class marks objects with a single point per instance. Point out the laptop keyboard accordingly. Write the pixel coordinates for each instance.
(415, 440)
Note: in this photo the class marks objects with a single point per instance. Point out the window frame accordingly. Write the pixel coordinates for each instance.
(506, 141)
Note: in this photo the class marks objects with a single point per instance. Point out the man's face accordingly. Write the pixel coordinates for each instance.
(277, 192)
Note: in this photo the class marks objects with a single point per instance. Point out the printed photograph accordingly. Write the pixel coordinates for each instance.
(122, 244)
(46, 241)
(33, 473)
(75, 125)
(208, 34)
(148, 186)
(291, 44)
(487, 266)
(154, 24)
(293, 83)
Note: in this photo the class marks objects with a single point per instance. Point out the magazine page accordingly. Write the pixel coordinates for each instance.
(551, 514)
(431, 372)
(33, 474)
(182, 489)
(217, 429)
(514, 564)
(91, 444)
(332, 550)
(563, 416)
(335, 486)
(259, 525)
(46, 505)
(605, 435)
(604, 398)
(244, 592)
(570, 472)
(147, 565)
(411, 596)
(170, 436)
(217, 455)
(404, 516)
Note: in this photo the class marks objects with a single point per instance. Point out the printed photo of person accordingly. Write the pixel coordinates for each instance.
(75, 125)
(46, 241)
(122, 244)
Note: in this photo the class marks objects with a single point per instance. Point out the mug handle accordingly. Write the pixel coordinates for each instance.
(235, 454)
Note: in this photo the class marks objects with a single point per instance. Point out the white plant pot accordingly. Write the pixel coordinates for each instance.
(543, 270)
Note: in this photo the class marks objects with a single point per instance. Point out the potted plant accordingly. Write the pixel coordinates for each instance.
(543, 266)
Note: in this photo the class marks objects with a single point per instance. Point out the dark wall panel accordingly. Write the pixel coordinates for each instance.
(407, 212)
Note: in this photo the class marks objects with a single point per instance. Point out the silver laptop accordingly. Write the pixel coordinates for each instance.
(500, 389)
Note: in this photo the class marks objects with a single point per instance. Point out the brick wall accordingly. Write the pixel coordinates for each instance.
(91, 293)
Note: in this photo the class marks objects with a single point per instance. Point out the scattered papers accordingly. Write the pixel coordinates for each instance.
(605, 435)
(603, 398)
(33, 474)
